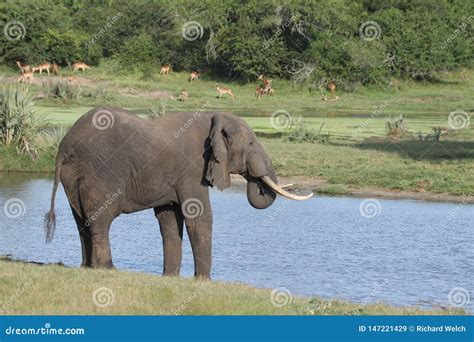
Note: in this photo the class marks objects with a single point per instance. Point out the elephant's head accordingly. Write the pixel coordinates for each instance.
(236, 150)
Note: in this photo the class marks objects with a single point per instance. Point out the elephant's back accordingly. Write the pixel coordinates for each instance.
(102, 126)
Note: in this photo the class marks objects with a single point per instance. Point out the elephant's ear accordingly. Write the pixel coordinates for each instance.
(218, 172)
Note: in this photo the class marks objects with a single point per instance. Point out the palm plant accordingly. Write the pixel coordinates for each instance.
(18, 125)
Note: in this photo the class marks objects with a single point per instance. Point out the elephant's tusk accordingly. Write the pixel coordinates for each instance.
(286, 185)
(279, 190)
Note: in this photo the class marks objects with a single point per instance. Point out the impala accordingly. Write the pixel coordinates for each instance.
(41, 67)
(268, 90)
(55, 69)
(80, 66)
(72, 80)
(26, 77)
(331, 87)
(194, 76)
(259, 92)
(23, 67)
(227, 91)
(266, 81)
(165, 69)
(184, 95)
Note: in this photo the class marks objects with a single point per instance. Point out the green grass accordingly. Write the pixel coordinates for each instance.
(398, 165)
(28, 289)
(359, 153)
(405, 97)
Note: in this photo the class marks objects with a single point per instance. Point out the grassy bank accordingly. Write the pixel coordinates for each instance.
(103, 85)
(445, 167)
(394, 165)
(359, 152)
(56, 290)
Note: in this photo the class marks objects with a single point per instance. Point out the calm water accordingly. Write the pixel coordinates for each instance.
(411, 253)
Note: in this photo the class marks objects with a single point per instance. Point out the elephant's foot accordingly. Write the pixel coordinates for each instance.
(204, 277)
(171, 273)
(107, 264)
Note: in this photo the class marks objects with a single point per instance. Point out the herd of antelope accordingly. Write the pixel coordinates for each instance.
(28, 71)
(265, 88)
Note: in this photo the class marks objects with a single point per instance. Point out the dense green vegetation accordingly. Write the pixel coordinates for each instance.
(413, 60)
(352, 42)
(27, 289)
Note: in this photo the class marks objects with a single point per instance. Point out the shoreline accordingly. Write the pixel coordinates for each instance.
(322, 187)
(230, 297)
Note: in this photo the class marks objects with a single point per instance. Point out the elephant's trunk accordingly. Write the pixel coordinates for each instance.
(259, 195)
(262, 186)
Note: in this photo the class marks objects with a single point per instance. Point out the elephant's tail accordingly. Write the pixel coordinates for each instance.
(50, 217)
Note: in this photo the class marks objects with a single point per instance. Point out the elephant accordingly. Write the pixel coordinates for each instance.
(112, 162)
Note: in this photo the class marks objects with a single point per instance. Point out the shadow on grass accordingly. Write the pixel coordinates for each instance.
(8, 258)
(422, 150)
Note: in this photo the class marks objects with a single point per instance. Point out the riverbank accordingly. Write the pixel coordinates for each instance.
(321, 186)
(327, 169)
(32, 289)
(358, 158)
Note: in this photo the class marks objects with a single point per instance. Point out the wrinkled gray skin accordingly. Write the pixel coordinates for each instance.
(136, 164)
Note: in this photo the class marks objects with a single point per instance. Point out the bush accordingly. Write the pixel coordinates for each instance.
(396, 127)
(62, 90)
(433, 136)
(303, 134)
(238, 39)
(18, 125)
(138, 52)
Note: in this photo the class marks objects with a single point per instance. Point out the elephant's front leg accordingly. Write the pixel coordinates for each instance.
(198, 219)
(170, 219)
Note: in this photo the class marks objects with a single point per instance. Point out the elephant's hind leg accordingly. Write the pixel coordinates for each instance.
(101, 252)
(86, 240)
(170, 219)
